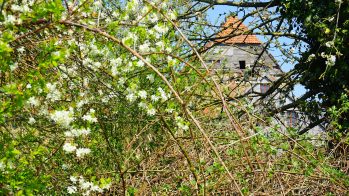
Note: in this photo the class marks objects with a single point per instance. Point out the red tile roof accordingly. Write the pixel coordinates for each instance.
(232, 32)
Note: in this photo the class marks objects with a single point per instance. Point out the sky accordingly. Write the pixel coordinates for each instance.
(217, 15)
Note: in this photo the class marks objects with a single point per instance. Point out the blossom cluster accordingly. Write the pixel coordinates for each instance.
(86, 187)
(78, 80)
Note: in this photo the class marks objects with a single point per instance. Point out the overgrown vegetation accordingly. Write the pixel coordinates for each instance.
(108, 97)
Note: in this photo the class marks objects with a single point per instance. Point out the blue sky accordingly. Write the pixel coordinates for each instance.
(214, 16)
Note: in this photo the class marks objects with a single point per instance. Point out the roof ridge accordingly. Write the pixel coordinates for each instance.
(233, 26)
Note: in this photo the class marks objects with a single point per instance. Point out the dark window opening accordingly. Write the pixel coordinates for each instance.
(242, 64)
(264, 88)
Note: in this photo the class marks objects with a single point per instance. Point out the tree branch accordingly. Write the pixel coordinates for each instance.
(272, 3)
(311, 125)
(293, 104)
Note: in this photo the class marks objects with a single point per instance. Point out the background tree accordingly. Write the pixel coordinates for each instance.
(319, 31)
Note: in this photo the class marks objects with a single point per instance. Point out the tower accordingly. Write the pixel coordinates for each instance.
(245, 69)
(240, 60)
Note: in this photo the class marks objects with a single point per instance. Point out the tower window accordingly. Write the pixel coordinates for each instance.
(242, 64)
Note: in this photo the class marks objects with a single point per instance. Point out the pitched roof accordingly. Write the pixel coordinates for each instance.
(234, 29)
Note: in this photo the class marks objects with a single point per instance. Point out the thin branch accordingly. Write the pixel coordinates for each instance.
(243, 4)
(311, 125)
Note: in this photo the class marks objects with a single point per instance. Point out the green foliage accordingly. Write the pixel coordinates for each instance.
(21, 171)
(324, 65)
(338, 113)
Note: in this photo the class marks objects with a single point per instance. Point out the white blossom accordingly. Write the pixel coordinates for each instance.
(21, 49)
(114, 71)
(10, 19)
(142, 105)
(145, 47)
(310, 57)
(69, 148)
(129, 67)
(33, 101)
(62, 117)
(96, 188)
(15, 7)
(43, 110)
(160, 44)
(152, 32)
(172, 15)
(53, 93)
(81, 103)
(151, 112)
(329, 44)
(161, 29)
(89, 118)
(150, 77)
(339, 1)
(115, 14)
(97, 65)
(73, 179)
(98, 3)
(2, 166)
(31, 120)
(154, 98)
(77, 132)
(105, 99)
(153, 18)
(116, 62)
(121, 81)
(94, 49)
(56, 53)
(13, 66)
(323, 54)
(81, 179)
(331, 60)
(169, 110)
(140, 63)
(86, 61)
(81, 152)
(168, 49)
(24, 8)
(72, 189)
(142, 94)
(163, 94)
(181, 124)
(131, 97)
(86, 185)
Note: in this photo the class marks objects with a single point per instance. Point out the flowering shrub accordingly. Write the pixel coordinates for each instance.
(82, 78)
